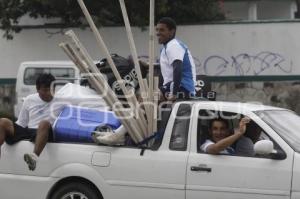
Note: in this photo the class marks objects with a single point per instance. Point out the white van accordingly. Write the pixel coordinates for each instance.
(64, 72)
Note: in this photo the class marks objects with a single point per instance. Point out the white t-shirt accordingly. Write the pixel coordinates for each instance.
(208, 142)
(34, 110)
(176, 50)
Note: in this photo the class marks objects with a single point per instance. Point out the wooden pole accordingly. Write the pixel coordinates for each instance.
(110, 99)
(148, 106)
(151, 46)
(143, 87)
(113, 101)
(85, 56)
(156, 98)
(131, 96)
(151, 62)
(132, 46)
(103, 47)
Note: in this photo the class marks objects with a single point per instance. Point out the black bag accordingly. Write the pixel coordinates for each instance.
(126, 70)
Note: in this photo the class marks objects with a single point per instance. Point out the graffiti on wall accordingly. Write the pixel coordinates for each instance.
(246, 64)
(283, 94)
(243, 64)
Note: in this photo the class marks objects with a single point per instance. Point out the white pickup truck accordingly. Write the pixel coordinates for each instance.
(173, 168)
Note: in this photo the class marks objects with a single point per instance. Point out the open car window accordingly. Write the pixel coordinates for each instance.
(244, 146)
(204, 118)
(180, 130)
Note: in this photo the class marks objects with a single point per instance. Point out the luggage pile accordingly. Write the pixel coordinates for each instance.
(138, 117)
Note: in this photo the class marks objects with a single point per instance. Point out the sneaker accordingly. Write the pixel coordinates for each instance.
(99, 133)
(94, 136)
(112, 139)
(30, 159)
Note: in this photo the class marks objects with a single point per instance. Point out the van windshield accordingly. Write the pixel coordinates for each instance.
(31, 74)
(285, 123)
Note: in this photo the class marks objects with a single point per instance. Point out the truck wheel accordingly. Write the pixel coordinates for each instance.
(75, 190)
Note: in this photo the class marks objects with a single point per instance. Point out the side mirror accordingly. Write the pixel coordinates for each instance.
(266, 147)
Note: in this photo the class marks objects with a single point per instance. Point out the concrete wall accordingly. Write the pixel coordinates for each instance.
(42, 44)
(219, 50)
(249, 49)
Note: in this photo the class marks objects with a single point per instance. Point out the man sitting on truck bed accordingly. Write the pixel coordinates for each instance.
(220, 138)
(34, 121)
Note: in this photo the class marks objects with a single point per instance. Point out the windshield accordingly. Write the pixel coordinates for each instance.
(285, 123)
(31, 74)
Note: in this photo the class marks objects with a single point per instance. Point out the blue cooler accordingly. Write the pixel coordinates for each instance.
(75, 124)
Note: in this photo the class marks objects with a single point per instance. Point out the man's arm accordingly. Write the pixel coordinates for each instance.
(175, 54)
(177, 75)
(228, 141)
(23, 117)
(223, 144)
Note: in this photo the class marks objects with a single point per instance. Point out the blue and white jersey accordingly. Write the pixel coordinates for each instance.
(176, 50)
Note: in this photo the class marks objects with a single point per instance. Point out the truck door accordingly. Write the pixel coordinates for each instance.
(159, 174)
(234, 176)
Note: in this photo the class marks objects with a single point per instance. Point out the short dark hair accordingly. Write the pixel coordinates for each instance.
(219, 119)
(44, 80)
(253, 131)
(169, 22)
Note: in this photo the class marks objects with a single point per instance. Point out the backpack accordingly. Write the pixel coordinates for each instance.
(126, 70)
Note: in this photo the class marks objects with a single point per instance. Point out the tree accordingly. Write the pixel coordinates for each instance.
(105, 12)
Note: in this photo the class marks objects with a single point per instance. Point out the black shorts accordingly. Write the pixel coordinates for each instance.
(21, 133)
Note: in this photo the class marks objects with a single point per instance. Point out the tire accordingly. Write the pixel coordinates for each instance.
(76, 189)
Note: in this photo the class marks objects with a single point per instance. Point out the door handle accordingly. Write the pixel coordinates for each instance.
(201, 168)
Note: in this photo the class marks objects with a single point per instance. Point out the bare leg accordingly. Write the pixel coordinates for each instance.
(161, 98)
(41, 139)
(6, 128)
(42, 135)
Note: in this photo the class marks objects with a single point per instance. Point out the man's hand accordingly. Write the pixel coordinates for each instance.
(144, 64)
(242, 125)
(171, 97)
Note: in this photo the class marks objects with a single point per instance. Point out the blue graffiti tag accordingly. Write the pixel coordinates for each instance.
(245, 64)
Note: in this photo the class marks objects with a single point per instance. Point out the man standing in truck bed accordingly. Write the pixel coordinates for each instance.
(176, 62)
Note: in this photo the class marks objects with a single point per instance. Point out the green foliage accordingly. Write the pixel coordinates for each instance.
(105, 12)
(10, 12)
(191, 11)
